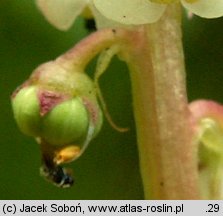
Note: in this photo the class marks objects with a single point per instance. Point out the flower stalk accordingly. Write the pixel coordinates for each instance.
(81, 54)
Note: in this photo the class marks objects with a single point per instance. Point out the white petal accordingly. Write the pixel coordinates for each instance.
(205, 8)
(130, 11)
(61, 13)
(103, 22)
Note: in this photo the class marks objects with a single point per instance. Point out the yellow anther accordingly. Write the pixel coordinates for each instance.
(67, 154)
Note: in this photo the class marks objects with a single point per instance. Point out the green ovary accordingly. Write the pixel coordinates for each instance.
(25, 106)
(67, 123)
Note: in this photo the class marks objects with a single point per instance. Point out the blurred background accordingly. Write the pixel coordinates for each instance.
(109, 168)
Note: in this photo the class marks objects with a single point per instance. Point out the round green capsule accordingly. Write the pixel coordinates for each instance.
(66, 123)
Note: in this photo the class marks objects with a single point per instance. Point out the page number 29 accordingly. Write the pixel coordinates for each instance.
(213, 208)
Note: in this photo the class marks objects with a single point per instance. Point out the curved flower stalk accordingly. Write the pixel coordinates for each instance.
(207, 120)
(138, 12)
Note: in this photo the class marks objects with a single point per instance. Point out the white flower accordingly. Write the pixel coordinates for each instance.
(148, 11)
(62, 13)
(107, 13)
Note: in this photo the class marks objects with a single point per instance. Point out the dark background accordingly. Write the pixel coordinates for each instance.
(109, 168)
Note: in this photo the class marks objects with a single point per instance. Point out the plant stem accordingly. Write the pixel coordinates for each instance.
(167, 155)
